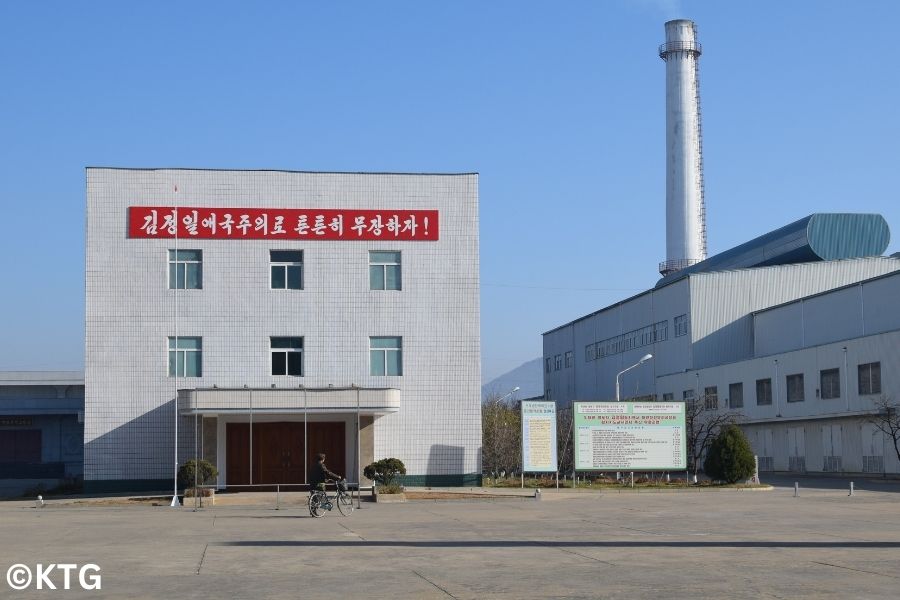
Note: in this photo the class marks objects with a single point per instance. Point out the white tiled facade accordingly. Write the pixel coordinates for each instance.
(131, 313)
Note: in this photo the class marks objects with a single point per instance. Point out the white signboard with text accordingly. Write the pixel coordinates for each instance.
(630, 436)
(539, 437)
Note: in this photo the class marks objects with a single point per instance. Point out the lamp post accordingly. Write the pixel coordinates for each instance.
(508, 394)
(645, 358)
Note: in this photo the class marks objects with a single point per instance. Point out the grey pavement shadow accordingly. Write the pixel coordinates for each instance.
(551, 544)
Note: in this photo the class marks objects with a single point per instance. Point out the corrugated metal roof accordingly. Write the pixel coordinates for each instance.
(820, 236)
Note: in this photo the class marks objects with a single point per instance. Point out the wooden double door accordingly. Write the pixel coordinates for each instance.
(277, 455)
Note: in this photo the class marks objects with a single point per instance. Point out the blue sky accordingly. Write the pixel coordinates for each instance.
(559, 106)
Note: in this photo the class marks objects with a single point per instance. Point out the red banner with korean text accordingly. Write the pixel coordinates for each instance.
(281, 223)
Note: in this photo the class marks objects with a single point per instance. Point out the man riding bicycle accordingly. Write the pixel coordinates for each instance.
(320, 474)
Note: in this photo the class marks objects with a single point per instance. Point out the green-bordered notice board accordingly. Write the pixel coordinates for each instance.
(630, 436)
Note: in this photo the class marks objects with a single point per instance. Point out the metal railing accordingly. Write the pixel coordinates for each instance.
(670, 266)
(279, 487)
(680, 46)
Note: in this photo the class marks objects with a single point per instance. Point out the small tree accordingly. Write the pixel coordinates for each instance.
(703, 424)
(730, 457)
(199, 472)
(887, 420)
(385, 471)
(501, 423)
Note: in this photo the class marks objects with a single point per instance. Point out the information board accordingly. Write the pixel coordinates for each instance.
(539, 437)
(630, 436)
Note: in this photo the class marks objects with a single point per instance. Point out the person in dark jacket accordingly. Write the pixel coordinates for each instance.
(320, 473)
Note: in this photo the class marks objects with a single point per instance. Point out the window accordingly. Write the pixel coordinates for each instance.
(547, 364)
(570, 358)
(287, 356)
(386, 355)
(763, 392)
(557, 362)
(661, 331)
(384, 270)
(185, 269)
(830, 383)
(589, 353)
(668, 397)
(736, 395)
(286, 269)
(870, 378)
(682, 325)
(711, 398)
(185, 357)
(795, 388)
(688, 397)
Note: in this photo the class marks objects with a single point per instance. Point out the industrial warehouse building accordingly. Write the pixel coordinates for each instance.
(41, 430)
(281, 314)
(797, 332)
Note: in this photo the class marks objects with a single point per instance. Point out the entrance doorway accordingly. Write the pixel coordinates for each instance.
(278, 451)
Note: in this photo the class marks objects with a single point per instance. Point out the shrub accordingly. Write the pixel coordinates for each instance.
(392, 488)
(385, 471)
(199, 471)
(730, 457)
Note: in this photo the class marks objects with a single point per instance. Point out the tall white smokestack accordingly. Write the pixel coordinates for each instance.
(685, 210)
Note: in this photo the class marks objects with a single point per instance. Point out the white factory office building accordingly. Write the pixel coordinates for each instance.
(281, 314)
(797, 332)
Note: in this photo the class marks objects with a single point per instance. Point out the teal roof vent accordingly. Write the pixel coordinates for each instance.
(833, 236)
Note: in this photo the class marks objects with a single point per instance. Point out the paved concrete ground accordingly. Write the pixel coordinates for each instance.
(726, 544)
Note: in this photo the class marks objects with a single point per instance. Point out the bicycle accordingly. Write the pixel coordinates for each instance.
(319, 501)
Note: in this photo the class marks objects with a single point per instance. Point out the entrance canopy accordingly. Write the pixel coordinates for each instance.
(223, 401)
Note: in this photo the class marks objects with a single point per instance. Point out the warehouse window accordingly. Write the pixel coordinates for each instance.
(830, 383)
(286, 269)
(589, 354)
(185, 269)
(688, 397)
(763, 392)
(385, 355)
(185, 357)
(682, 325)
(736, 395)
(711, 398)
(795, 388)
(570, 358)
(668, 397)
(557, 362)
(384, 270)
(548, 364)
(287, 356)
(870, 378)
(661, 331)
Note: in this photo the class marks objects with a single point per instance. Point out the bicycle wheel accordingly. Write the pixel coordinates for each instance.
(316, 500)
(345, 503)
